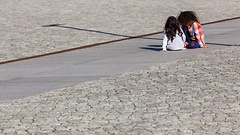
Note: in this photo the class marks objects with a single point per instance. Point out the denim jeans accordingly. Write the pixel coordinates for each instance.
(191, 43)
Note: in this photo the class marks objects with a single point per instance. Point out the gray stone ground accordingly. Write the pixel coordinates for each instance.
(197, 95)
(26, 25)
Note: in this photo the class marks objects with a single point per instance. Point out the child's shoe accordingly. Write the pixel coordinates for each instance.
(185, 46)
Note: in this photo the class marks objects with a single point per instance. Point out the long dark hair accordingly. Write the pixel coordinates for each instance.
(186, 18)
(172, 26)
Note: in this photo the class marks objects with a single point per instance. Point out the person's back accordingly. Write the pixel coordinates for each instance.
(174, 38)
(176, 44)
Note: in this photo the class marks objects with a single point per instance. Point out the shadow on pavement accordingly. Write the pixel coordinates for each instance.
(152, 47)
(96, 31)
(222, 44)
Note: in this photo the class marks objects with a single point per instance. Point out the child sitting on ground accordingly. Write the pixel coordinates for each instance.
(173, 38)
(192, 29)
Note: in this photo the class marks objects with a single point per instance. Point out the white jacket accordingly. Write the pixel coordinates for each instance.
(177, 43)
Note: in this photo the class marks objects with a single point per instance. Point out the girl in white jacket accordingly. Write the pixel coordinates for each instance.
(174, 38)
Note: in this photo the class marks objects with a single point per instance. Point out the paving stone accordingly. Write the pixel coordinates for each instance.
(159, 101)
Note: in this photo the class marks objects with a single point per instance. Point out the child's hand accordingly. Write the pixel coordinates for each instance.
(163, 50)
(205, 46)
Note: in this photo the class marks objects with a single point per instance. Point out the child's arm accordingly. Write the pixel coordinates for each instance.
(165, 40)
(183, 36)
(198, 30)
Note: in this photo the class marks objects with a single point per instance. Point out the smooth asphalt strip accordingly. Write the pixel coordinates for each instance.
(28, 77)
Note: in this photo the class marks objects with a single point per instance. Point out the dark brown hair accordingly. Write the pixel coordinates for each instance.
(172, 26)
(186, 18)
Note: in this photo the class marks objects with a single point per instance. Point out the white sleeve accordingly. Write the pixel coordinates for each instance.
(183, 36)
(165, 40)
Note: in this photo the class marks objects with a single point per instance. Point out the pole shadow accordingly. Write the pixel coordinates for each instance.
(220, 44)
(96, 31)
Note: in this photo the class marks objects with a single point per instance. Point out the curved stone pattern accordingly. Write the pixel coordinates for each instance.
(197, 95)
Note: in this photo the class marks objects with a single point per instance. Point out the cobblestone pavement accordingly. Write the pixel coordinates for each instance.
(197, 95)
(35, 27)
